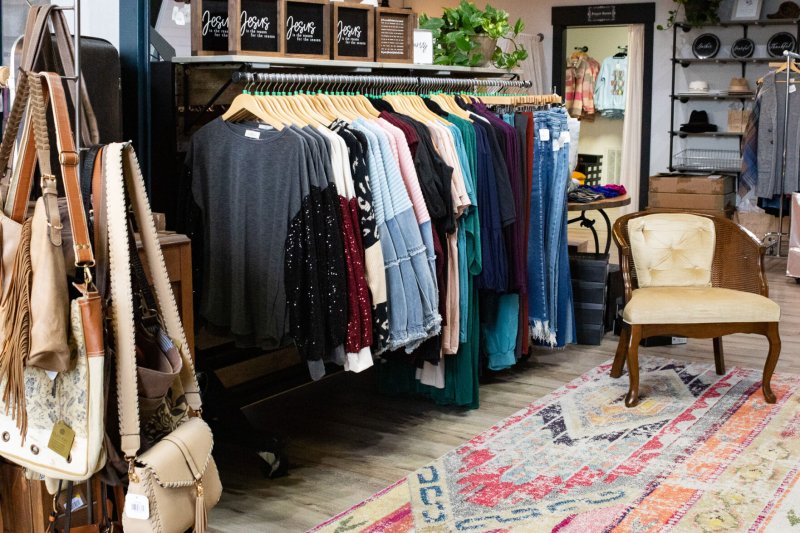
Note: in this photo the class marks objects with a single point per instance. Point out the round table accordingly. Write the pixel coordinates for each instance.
(599, 206)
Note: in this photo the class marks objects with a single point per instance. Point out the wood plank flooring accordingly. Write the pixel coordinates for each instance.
(346, 441)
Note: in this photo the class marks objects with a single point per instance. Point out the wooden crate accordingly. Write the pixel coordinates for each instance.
(353, 32)
(395, 35)
(210, 23)
(306, 29)
(256, 27)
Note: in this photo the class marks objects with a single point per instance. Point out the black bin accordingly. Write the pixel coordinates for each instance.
(589, 278)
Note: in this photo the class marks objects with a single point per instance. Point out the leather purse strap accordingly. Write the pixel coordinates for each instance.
(68, 157)
(122, 173)
(37, 33)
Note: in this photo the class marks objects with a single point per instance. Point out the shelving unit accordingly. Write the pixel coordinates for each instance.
(335, 65)
(678, 97)
(706, 134)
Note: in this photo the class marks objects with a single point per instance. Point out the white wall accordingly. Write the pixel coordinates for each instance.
(99, 18)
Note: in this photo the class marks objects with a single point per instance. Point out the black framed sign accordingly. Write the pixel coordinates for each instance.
(210, 25)
(306, 28)
(255, 27)
(353, 31)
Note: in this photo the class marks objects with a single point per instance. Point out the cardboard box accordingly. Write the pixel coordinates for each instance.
(727, 213)
(689, 202)
(684, 184)
(759, 222)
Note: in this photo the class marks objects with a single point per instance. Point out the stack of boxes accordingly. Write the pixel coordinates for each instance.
(714, 194)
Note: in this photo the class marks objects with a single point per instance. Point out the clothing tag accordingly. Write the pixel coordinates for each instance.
(265, 127)
(564, 137)
(544, 134)
(253, 134)
(61, 439)
(77, 503)
(50, 374)
(792, 88)
(137, 506)
(556, 145)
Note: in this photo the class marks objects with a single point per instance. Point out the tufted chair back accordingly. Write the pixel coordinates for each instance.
(680, 255)
(672, 249)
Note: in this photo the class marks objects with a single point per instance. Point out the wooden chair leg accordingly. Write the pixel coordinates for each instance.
(622, 348)
(774, 338)
(632, 398)
(719, 356)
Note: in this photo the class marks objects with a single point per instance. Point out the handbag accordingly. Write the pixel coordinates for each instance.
(52, 351)
(172, 485)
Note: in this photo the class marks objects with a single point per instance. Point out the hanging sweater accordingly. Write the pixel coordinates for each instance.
(609, 91)
(581, 75)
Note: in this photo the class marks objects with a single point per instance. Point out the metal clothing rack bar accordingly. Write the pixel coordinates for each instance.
(791, 57)
(409, 81)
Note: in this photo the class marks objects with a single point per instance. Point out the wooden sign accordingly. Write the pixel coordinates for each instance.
(353, 31)
(209, 27)
(255, 27)
(306, 29)
(395, 40)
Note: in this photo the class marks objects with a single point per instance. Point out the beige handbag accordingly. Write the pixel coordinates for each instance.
(51, 351)
(172, 484)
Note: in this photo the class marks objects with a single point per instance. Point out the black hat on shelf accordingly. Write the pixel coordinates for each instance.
(698, 123)
(787, 10)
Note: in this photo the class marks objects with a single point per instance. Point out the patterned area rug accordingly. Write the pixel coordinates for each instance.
(701, 452)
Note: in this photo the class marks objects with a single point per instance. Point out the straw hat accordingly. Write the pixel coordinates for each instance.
(739, 85)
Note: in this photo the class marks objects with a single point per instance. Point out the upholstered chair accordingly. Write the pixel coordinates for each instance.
(691, 275)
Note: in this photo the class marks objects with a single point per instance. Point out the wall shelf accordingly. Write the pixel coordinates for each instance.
(687, 97)
(686, 61)
(706, 134)
(337, 65)
(679, 95)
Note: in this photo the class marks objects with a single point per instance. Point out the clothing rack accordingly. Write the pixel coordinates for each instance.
(410, 82)
(791, 58)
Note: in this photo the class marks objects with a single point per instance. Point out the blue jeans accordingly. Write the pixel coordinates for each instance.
(562, 301)
(538, 318)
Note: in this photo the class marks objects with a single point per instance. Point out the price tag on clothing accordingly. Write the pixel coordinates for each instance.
(265, 127)
(563, 138)
(556, 145)
(137, 506)
(252, 134)
(544, 134)
(792, 88)
(50, 374)
(61, 439)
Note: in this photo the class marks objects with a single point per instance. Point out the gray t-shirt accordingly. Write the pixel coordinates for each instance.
(250, 184)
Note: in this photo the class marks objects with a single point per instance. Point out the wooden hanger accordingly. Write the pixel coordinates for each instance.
(781, 67)
(246, 105)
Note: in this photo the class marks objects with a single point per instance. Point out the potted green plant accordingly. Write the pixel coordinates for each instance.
(696, 13)
(467, 36)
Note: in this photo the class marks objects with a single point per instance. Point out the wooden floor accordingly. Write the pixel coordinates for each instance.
(347, 442)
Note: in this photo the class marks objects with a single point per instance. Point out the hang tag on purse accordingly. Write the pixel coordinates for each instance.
(61, 439)
(137, 506)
